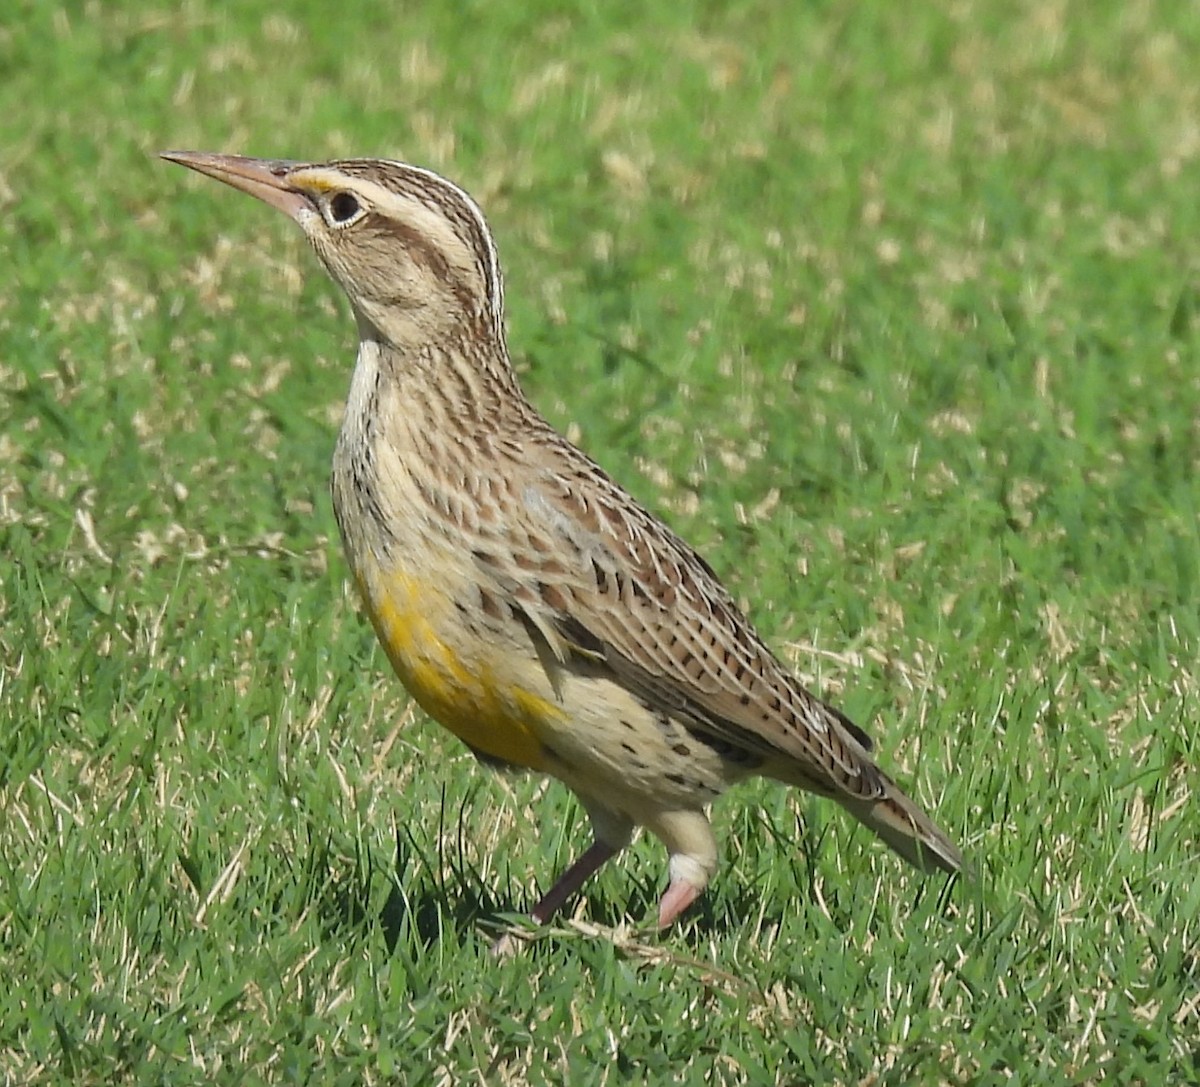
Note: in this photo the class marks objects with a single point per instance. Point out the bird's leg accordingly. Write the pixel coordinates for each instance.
(611, 833)
(567, 884)
(571, 880)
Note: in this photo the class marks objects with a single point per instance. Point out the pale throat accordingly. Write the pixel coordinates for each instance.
(361, 403)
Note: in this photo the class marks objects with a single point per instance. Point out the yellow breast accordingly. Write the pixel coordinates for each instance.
(457, 678)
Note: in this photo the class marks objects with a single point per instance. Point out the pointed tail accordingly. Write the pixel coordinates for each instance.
(907, 829)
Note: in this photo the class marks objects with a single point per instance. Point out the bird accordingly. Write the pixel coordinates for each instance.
(527, 601)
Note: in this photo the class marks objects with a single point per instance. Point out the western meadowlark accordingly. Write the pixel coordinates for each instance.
(525, 600)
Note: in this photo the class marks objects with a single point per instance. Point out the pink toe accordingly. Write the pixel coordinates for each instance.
(678, 898)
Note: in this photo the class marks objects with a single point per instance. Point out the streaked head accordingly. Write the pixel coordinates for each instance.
(410, 249)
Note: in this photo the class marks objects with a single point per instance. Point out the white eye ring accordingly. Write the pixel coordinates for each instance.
(342, 209)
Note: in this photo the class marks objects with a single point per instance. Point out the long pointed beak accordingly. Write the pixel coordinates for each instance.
(264, 178)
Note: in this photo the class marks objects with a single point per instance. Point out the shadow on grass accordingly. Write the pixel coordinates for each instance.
(423, 907)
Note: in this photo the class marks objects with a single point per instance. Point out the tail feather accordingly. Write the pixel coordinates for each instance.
(907, 829)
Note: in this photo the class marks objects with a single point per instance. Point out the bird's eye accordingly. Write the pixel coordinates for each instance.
(343, 207)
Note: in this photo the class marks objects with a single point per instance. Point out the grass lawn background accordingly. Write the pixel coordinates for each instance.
(894, 312)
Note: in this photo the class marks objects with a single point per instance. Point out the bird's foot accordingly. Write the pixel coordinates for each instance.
(506, 945)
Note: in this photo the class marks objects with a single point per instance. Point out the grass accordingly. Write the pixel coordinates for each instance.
(894, 312)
